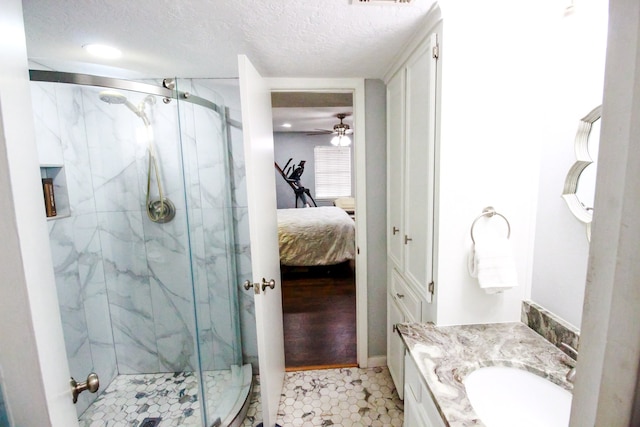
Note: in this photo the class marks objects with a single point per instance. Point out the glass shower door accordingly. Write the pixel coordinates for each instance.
(208, 183)
(149, 305)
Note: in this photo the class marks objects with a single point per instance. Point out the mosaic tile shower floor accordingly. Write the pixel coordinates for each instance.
(333, 397)
(130, 399)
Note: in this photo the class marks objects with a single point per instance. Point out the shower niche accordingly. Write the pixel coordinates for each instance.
(144, 248)
(60, 195)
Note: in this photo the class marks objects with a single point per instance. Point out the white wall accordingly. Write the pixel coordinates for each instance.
(32, 355)
(561, 245)
(492, 103)
(515, 81)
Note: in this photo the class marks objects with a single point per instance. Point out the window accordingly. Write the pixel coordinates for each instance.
(333, 171)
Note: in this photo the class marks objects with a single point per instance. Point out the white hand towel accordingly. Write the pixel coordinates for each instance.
(491, 261)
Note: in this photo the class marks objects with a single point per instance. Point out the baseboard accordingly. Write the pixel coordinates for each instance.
(376, 361)
(319, 367)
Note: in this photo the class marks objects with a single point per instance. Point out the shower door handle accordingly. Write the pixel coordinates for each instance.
(248, 285)
(92, 384)
(270, 284)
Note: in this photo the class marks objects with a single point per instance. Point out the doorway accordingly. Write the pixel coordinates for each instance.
(315, 185)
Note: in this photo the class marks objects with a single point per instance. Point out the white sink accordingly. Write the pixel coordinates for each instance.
(505, 397)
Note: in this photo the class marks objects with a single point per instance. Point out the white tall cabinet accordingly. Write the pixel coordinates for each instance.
(411, 191)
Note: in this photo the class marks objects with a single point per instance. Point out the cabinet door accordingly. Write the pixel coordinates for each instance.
(395, 168)
(395, 346)
(412, 416)
(420, 164)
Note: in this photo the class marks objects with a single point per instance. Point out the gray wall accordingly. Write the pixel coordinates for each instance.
(376, 146)
(299, 146)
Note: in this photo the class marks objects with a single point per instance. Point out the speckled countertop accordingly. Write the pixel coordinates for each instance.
(445, 355)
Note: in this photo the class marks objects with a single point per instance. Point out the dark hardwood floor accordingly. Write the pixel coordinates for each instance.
(319, 309)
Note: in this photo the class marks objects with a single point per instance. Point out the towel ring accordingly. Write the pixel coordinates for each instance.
(489, 211)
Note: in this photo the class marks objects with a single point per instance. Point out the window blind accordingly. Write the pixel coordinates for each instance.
(332, 171)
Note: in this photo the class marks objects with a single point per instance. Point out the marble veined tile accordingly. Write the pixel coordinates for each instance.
(171, 293)
(129, 292)
(130, 399)
(340, 397)
(77, 163)
(47, 125)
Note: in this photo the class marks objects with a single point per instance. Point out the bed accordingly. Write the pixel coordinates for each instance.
(315, 236)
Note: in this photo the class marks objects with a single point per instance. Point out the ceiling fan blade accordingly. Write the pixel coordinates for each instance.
(318, 133)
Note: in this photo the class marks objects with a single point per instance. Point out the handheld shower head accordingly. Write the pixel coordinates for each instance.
(113, 97)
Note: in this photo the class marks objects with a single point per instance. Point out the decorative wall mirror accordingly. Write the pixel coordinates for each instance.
(580, 184)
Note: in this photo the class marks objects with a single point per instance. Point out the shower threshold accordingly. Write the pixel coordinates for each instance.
(132, 400)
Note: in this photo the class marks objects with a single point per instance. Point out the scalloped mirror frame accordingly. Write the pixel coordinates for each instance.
(583, 159)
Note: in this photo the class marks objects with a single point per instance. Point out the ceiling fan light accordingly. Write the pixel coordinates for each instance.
(341, 141)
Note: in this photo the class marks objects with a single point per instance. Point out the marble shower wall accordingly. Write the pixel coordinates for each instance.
(75, 240)
(124, 283)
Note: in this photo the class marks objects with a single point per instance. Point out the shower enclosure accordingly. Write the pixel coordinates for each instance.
(143, 247)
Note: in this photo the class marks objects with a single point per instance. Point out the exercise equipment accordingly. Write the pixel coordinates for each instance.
(292, 176)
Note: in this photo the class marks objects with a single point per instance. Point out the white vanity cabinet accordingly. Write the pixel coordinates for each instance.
(411, 136)
(403, 305)
(411, 188)
(419, 408)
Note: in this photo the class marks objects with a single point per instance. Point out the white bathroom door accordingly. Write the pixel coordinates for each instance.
(257, 129)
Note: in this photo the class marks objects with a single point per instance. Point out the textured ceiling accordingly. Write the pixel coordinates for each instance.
(202, 38)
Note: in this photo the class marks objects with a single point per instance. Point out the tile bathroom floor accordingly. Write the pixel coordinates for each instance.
(329, 397)
(334, 397)
(173, 397)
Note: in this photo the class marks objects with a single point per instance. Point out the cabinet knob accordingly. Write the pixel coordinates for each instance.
(395, 230)
(407, 239)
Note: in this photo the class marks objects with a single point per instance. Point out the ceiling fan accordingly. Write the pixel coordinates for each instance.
(341, 129)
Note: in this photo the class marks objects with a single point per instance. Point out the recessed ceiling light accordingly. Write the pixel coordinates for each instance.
(103, 51)
(286, 125)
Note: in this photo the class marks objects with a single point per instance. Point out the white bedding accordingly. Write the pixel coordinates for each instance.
(315, 236)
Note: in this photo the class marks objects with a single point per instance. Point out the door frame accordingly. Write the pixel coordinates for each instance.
(355, 86)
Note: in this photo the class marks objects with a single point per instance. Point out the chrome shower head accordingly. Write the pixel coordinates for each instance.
(112, 97)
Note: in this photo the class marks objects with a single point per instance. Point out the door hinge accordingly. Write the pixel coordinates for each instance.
(432, 287)
(436, 51)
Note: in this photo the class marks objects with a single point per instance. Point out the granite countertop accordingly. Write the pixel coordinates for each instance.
(445, 355)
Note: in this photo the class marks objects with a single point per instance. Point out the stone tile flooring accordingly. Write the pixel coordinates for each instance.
(332, 397)
(131, 399)
(335, 397)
